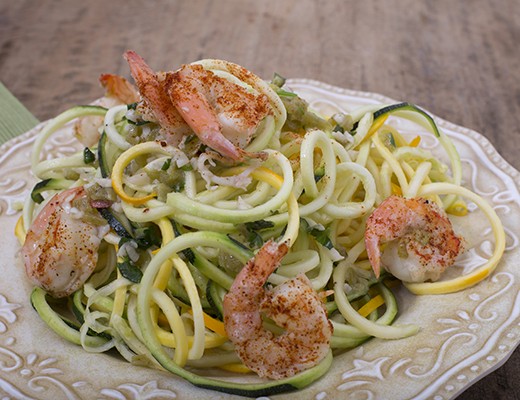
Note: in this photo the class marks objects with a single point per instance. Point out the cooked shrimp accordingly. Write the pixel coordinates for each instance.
(294, 306)
(61, 249)
(222, 114)
(157, 104)
(117, 91)
(420, 237)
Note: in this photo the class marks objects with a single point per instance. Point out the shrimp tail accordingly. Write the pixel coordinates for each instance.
(258, 269)
(374, 252)
(119, 88)
(141, 72)
(151, 90)
(268, 258)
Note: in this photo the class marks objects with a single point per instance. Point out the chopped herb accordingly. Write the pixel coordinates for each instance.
(255, 240)
(130, 271)
(285, 93)
(259, 225)
(353, 131)
(253, 237)
(338, 128)
(166, 164)
(148, 236)
(132, 106)
(190, 138)
(88, 156)
(187, 167)
(322, 237)
(178, 186)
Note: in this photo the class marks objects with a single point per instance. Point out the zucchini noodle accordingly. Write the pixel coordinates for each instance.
(184, 220)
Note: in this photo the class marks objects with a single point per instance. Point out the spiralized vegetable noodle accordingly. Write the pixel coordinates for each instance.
(184, 220)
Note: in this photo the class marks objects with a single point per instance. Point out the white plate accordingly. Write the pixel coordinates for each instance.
(463, 337)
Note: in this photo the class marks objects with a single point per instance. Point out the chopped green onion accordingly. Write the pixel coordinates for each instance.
(259, 225)
(322, 237)
(255, 240)
(285, 93)
(130, 271)
(148, 236)
(187, 167)
(178, 186)
(88, 156)
(166, 164)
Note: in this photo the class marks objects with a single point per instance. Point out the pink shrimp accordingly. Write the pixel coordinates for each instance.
(420, 237)
(294, 306)
(61, 249)
(222, 114)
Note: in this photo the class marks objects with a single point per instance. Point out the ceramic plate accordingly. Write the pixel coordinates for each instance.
(463, 336)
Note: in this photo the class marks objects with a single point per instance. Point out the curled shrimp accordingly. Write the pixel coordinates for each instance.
(420, 237)
(294, 306)
(222, 114)
(61, 248)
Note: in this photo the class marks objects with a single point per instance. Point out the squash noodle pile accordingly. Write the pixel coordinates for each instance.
(183, 224)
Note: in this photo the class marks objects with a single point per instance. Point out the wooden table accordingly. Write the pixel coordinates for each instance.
(460, 60)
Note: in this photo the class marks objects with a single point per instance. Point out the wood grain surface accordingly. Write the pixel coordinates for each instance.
(458, 59)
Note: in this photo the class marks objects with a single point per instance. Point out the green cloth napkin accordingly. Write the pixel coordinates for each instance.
(15, 119)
